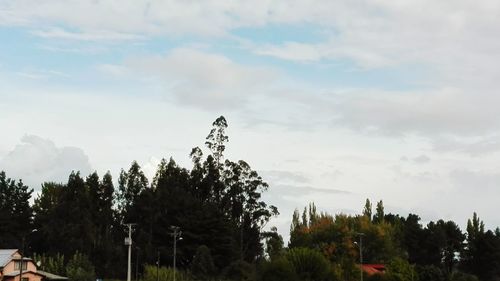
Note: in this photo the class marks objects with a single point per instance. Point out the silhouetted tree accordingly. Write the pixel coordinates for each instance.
(15, 212)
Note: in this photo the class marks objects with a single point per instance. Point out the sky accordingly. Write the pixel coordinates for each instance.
(331, 102)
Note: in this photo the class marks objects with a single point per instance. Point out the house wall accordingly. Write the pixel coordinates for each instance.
(29, 275)
(10, 267)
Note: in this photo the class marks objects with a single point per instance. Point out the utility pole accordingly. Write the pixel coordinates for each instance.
(241, 238)
(136, 263)
(158, 267)
(360, 234)
(128, 242)
(21, 262)
(176, 233)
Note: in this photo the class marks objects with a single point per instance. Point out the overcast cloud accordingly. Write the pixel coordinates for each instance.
(36, 158)
(334, 101)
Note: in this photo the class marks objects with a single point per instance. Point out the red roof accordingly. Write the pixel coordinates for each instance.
(371, 269)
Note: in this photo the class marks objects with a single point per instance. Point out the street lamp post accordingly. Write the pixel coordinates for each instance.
(128, 242)
(360, 234)
(176, 233)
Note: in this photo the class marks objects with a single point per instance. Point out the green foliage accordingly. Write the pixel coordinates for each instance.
(379, 213)
(460, 276)
(239, 270)
(367, 210)
(481, 256)
(53, 264)
(79, 268)
(218, 203)
(400, 269)
(280, 269)
(376, 277)
(443, 241)
(217, 138)
(274, 243)
(430, 273)
(64, 213)
(309, 264)
(15, 212)
(152, 273)
(81, 214)
(203, 265)
(130, 185)
(335, 237)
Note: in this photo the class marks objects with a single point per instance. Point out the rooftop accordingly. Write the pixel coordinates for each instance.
(6, 256)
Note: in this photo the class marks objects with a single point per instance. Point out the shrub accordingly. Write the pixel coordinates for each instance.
(278, 270)
(310, 264)
(430, 273)
(152, 273)
(79, 268)
(460, 276)
(239, 270)
(203, 265)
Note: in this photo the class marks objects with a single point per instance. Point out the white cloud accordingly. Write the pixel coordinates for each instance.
(422, 159)
(284, 177)
(293, 51)
(476, 146)
(454, 106)
(59, 33)
(149, 168)
(428, 113)
(454, 41)
(456, 37)
(91, 49)
(200, 79)
(36, 160)
(476, 181)
(41, 74)
(123, 17)
(317, 52)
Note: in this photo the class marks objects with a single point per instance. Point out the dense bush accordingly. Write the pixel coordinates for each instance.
(310, 264)
(278, 270)
(460, 276)
(203, 266)
(430, 273)
(79, 268)
(152, 273)
(239, 270)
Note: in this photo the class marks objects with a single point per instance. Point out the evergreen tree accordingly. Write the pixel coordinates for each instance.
(102, 213)
(274, 243)
(48, 220)
(367, 210)
(63, 218)
(413, 239)
(481, 256)
(79, 268)
(53, 264)
(203, 265)
(130, 185)
(379, 216)
(15, 212)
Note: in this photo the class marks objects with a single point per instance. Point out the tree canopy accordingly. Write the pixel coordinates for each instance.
(76, 228)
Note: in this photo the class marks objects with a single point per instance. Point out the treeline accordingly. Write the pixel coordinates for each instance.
(438, 251)
(216, 204)
(78, 229)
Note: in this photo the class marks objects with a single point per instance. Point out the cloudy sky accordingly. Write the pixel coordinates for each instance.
(331, 101)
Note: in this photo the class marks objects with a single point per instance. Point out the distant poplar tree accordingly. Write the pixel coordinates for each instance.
(367, 210)
(379, 216)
